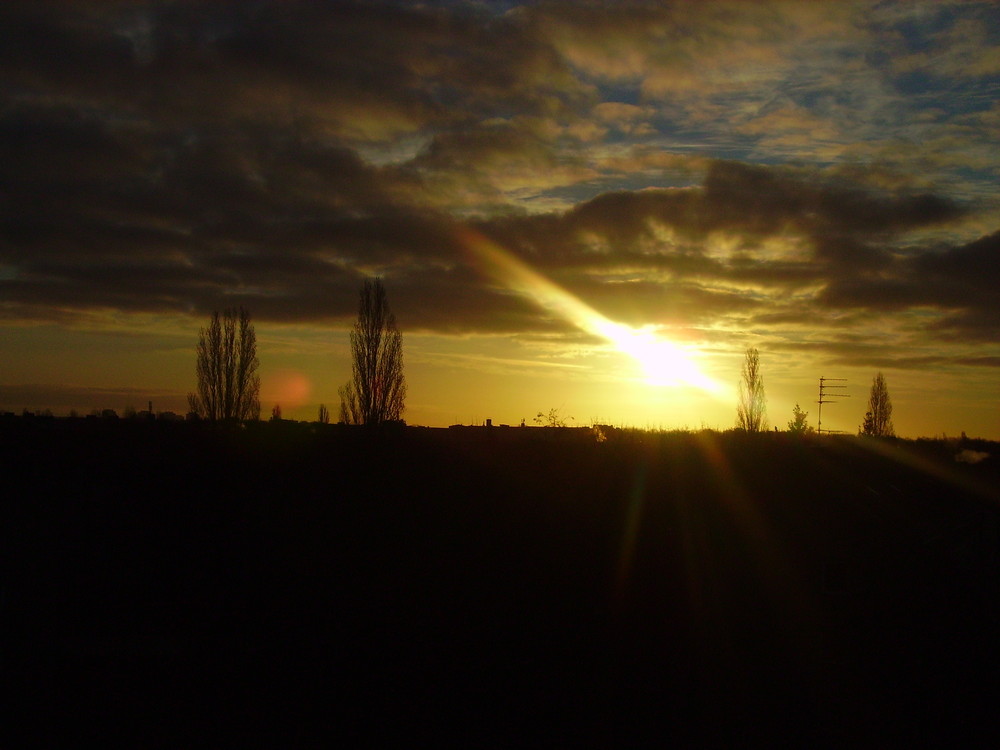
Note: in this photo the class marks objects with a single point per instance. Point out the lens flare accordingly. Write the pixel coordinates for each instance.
(289, 388)
(662, 361)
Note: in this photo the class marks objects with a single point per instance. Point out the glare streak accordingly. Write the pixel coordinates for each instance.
(663, 362)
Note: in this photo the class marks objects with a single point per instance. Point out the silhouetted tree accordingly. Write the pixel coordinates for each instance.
(377, 389)
(552, 419)
(878, 418)
(324, 414)
(228, 384)
(750, 411)
(276, 413)
(797, 424)
(350, 410)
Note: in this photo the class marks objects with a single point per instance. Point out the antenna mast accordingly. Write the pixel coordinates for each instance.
(825, 397)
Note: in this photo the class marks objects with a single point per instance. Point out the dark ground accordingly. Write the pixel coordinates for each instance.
(174, 585)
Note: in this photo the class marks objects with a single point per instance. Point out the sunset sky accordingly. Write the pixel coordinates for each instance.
(589, 206)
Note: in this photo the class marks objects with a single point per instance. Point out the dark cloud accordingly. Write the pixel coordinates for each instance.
(960, 282)
(747, 201)
(459, 301)
(344, 66)
(975, 324)
(288, 226)
(975, 266)
(840, 216)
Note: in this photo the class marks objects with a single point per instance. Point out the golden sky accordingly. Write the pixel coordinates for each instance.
(589, 206)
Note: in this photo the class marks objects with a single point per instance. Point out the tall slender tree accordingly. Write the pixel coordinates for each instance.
(751, 412)
(878, 418)
(228, 384)
(377, 389)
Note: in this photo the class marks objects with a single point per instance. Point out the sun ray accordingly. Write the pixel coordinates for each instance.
(663, 362)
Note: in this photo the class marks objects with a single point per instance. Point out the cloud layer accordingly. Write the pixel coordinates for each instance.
(800, 172)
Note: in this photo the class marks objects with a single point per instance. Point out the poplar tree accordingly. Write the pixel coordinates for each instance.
(878, 418)
(228, 384)
(751, 413)
(377, 389)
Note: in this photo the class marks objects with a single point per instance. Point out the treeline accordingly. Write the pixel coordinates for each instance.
(107, 422)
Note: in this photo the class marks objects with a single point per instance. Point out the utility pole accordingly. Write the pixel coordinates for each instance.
(825, 397)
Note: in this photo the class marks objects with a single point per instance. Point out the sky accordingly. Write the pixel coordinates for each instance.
(594, 207)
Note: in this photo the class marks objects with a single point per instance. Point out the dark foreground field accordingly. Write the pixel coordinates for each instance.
(176, 585)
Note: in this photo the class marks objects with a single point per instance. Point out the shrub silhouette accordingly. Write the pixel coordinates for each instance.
(798, 424)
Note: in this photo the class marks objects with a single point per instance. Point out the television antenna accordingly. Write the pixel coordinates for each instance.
(828, 397)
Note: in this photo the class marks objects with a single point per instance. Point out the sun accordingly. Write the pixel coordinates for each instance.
(663, 362)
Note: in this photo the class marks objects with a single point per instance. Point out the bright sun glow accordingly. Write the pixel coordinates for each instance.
(663, 362)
